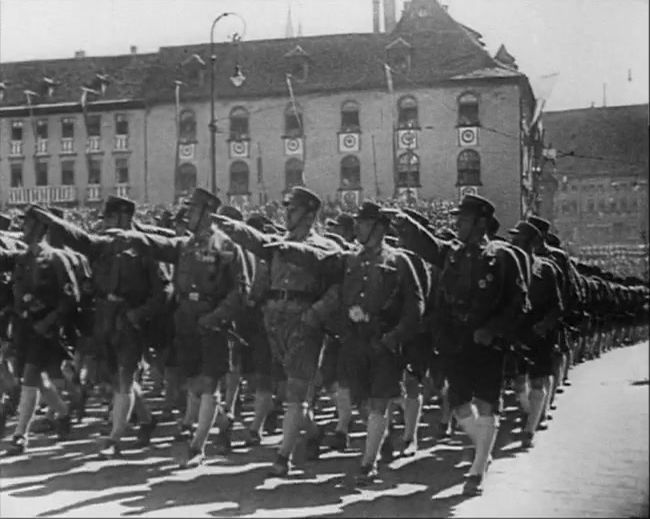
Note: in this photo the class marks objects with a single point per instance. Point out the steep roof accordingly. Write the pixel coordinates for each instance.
(440, 50)
(606, 140)
(125, 75)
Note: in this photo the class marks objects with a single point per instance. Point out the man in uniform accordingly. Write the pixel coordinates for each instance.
(538, 327)
(481, 295)
(211, 283)
(295, 334)
(376, 303)
(130, 290)
(45, 294)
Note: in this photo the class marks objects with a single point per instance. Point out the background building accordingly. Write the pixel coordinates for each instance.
(600, 160)
(419, 111)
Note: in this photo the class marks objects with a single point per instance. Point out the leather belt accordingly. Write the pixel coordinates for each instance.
(194, 296)
(290, 295)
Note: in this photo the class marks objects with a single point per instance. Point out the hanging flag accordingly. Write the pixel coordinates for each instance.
(28, 96)
(293, 101)
(389, 77)
(545, 85)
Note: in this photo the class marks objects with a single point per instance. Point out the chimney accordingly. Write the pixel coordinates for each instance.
(133, 49)
(375, 16)
(80, 54)
(389, 15)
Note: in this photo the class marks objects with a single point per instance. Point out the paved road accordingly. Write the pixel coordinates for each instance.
(591, 462)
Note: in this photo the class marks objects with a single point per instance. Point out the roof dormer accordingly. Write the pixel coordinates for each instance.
(47, 86)
(398, 55)
(297, 63)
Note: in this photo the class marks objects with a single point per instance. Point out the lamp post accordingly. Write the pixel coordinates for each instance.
(213, 125)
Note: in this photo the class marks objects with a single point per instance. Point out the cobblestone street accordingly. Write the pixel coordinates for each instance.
(591, 462)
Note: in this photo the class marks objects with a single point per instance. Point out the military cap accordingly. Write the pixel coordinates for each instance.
(304, 197)
(5, 222)
(525, 229)
(372, 211)
(475, 204)
(418, 217)
(202, 197)
(117, 204)
(542, 224)
(37, 212)
(553, 240)
(344, 220)
(231, 212)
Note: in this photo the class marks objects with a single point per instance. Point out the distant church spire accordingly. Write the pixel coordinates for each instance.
(288, 32)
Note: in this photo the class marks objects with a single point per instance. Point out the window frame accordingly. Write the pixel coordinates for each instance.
(239, 113)
(404, 122)
(41, 169)
(16, 169)
(350, 127)
(474, 118)
(64, 170)
(91, 170)
(122, 165)
(90, 125)
(67, 128)
(17, 125)
(297, 115)
(187, 126)
(244, 171)
(351, 170)
(287, 170)
(404, 174)
(42, 129)
(121, 124)
(467, 176)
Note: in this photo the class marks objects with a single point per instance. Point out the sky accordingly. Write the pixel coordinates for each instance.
(597, 48)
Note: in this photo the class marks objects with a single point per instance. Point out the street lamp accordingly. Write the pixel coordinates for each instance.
(213, 125)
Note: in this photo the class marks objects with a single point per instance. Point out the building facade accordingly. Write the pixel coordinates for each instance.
(422, 111)
(601, 165)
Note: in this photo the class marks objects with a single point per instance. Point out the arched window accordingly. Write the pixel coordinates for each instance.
(408, 170)
(350, 117)
(239, 178)
(293, 126)
(350, 172)
(239, 124)
(469, 168)
(407, 108)
(468, 110)
(185, 180)
(187, 126)
(293, 173)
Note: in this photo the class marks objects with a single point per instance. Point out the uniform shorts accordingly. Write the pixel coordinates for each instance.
(476, 371)
(369, 372)
(542, 354)
(294, 345)
(418, 354)
(118, 344)
(199, 351)
(329, 361)
(256, 358)
(34, 349)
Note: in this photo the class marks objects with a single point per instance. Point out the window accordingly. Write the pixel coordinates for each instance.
(293, 126)
(350, 173)
(121, 124)
(41, 129)
(121, 171)
(468, 110)
(67, 128)
(293, 173)
(469, 168)
(408, 170)
(41, 173)
(94, 171)
(185, 180)
(16, 174)
(16, 130)
(239, 123)
(407, 108)
(239, 178)
(350, 117)
(187, 126)
(67, 173)
(94, 123)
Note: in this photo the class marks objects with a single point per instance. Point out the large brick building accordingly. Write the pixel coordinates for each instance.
(601, 166)
(421, 110)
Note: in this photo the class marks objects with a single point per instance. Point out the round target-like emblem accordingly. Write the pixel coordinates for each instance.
(239, 148)
(350, 141)
(407, 139)
(293, 145)
(186, 151)
(468, 190)
(467, 136)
